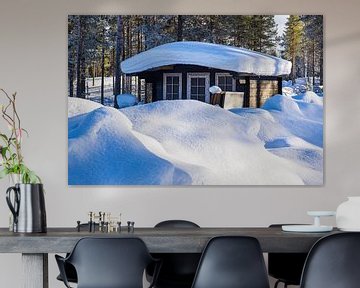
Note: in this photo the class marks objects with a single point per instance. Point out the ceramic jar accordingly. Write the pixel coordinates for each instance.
(348, 215)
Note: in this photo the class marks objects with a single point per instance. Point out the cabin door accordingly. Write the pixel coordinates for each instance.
(172, 86)
(198, 85)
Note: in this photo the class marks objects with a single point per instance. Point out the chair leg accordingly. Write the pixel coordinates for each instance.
(278, 282)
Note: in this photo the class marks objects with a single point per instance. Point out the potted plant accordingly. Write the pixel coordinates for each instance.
(26, 197)
(12, 161)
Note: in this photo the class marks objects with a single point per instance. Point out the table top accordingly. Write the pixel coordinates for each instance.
(158, 240)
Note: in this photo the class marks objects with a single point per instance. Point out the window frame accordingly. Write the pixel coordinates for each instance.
(205, 75)
(165, 75)
(223, 74)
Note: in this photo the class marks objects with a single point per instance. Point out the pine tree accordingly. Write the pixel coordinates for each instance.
(119, 46)
(104, 42)
(72, 20)
(158, 30)
(292, 39)
(314, 44)
(80, 58)
(180, 28)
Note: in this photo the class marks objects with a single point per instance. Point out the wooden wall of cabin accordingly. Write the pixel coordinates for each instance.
(156, 78)
(256, 89)
(262, 89)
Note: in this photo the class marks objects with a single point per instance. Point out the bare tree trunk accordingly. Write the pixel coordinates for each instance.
(293, 67)
(71, 71)
(211, 29)
(102, 67)
(321, 65)
(80, 67)
(113, 69)
(138, 37)
(119, 45)
(71, 80)
(313, 62)
(93, 74)
(128, 40)
(304, 63)
(180, 23)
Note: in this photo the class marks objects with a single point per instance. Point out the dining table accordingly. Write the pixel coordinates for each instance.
(35, 247)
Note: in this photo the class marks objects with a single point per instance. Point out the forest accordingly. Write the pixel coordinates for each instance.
(98, 43)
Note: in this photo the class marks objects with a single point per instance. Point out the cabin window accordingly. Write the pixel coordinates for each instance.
(198, 85)
(172, 86)
(225, 81)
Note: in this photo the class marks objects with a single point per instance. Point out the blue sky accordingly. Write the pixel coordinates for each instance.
(281, 20)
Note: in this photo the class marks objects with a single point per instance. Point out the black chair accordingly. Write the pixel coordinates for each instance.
(69, 269)
(108, 263)
(232, 262)
(333, 262)
(286, 267)
(178, 269)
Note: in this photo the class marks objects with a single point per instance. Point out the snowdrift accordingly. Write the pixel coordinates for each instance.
(293, 130)
(126, 100)
(188, 142)
(78, 106)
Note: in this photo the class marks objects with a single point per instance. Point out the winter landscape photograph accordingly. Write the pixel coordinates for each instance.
(195, 100)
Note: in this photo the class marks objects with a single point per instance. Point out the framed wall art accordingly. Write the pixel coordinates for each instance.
(195, 100)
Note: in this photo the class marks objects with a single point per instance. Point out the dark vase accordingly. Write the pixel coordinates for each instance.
(27, 207)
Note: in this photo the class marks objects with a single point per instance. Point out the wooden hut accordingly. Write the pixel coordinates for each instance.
(186, 70)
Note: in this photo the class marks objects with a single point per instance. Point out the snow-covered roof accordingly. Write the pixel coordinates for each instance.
(208, 55)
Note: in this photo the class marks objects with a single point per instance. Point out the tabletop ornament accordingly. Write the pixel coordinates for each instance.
(348, 214)
(104, 222)
(25, 197)
(315, 227)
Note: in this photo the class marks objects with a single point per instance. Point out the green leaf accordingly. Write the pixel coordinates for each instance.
(26, 132)
(33, 178)
(28, 176)
(4, 137)
(3, 151)
(4, 173)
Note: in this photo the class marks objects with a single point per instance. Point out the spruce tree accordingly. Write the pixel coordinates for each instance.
(72, 20)
(118, 49)
(313, 28)
(292, 39)
(80, 58)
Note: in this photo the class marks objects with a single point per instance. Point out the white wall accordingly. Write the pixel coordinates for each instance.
(33, 62)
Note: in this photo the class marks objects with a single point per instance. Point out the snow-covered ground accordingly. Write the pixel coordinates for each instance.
(186, 142)
(93, 90)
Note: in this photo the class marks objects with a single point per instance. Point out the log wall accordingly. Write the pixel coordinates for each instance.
(260, 91)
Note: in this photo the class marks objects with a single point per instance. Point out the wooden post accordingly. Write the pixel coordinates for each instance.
(258, 95)
(247, 92)
(35, 270)
(279, 85)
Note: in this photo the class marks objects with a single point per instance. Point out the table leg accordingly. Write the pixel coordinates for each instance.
(35, 270)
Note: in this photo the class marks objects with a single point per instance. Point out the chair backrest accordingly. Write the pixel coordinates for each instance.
(177, 268)
(110, 262)
(176, 224)
(286, 266)
(232, 262)
(333, 262)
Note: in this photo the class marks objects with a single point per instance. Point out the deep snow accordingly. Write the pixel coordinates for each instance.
(78, 106)
(186, 142)
(126, 100)
(208, 55)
